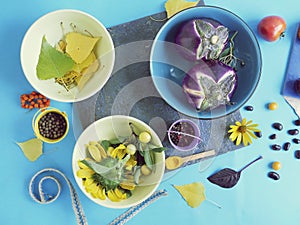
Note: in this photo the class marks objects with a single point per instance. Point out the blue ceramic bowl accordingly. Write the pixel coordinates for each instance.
(168, 67)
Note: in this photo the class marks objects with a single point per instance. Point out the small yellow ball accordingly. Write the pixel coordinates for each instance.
(145, 137)
(276, 165)
(273, 106)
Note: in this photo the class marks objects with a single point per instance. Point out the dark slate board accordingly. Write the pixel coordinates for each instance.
(130, 90)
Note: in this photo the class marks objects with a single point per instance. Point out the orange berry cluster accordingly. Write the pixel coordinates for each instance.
(34, 100)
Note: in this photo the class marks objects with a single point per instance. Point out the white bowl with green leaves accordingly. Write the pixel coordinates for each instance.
(67, 55)
(120, 175)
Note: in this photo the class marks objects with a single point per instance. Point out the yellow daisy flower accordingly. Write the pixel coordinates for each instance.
(243, 131)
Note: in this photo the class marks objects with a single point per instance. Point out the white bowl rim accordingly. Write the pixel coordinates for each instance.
(155, 186)
(107, 34)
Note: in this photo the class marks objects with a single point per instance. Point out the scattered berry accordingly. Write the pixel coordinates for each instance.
(296, 140)
(272, 106)
(276, 147)
(277, 126)
(293, 131)
(286, 146)
(297, 122)
(249, 108)
(276, 165)
(258, 134)
(274, 175)
(273, 136)
(297, 154)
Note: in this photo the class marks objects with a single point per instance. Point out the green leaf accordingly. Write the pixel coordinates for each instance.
(52, 63)
(105, 144)
(160, 149)
(148, 158)
(100, 169)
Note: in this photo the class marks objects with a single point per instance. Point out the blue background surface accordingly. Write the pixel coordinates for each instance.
(255, 200)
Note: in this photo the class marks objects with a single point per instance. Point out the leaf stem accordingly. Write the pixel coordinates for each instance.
(214, 203)
(260, 157)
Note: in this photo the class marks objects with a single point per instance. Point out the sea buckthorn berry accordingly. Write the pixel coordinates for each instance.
(276, 165)
(272, 106)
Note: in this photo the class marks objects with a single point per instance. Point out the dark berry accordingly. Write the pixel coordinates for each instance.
(258, 134)
(296, 140)
(293, 131)
(297, 122)
(276, 147)
(286, 146)
(274, 175)
(273, 136)
(249, 108)
(277, 126)
(297, 154)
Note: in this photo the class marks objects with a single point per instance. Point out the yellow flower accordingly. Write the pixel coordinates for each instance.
(119, 151)
(243, 131)
(131, 162)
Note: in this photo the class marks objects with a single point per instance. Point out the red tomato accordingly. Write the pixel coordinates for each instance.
(271, 28)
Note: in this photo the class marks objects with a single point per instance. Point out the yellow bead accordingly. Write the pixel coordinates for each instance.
(273, 106)
(276, 165)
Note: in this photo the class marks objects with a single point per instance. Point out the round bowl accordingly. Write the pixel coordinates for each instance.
(192, 140)
(109, 128)
(168, 67)
(44, 112)
(50, 26)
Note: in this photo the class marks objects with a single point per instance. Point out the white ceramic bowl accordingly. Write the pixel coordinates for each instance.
(109, 128)
(49, 26)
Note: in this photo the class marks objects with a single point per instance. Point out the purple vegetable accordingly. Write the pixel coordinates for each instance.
(209, 84)
(201, 38)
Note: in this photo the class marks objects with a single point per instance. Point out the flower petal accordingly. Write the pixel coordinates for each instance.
(251, 134)
(244, 121)
(239, 138)
(234, 135)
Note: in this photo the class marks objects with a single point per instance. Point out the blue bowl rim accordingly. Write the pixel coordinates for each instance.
(254, 39)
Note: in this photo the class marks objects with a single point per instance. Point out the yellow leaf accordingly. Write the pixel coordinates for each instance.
(80, 46)
(192, 193)
(32, 148)
(174, 6)
(85, 64)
